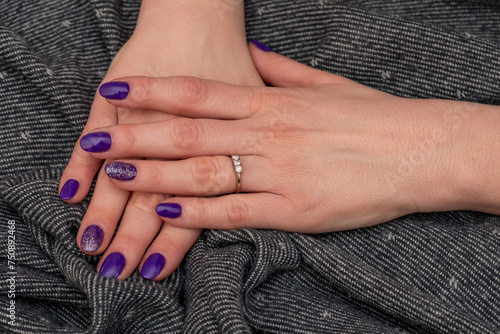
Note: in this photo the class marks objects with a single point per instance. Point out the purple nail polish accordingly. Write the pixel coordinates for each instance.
(69, 189)
(120, 170)
(169, 210)
(113, 265)
(152, 266)
(114, 90)
(261, 46)
(96, 142)
(91, 238)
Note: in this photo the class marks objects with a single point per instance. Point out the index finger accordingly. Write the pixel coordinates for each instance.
(81, 169)
(188, 96)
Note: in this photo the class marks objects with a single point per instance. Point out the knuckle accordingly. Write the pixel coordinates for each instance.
(264, 101)
(191, 92)
(201, 212)
(205, 174)
(185, 134)
(126, 139)
(237, 213)
(275, 131)
(142, 91)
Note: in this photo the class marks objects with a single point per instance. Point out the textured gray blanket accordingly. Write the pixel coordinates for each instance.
(424, 273)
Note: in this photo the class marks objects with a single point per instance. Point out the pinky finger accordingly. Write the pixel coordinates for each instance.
(172, 243)
(259, 210)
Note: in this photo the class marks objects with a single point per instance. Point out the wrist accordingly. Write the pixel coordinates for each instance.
(462, 169)
(193, 33)
(480, 161)
(195, 14)
(192, 25)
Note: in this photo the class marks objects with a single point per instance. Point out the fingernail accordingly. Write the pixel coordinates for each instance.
(261, 46)
(113, 265)
(152, 266)
(169, 210)
(91, 238)
(69, 189)
(96, 142)
(120, 170)
(114, 90)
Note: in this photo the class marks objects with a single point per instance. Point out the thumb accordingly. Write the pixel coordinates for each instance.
(281, 71)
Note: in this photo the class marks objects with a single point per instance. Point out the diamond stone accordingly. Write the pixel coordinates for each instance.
(238, 169)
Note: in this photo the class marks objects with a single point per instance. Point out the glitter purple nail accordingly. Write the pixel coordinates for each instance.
(120, 171)
(92, 238)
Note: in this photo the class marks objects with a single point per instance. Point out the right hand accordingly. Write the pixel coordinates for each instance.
(168, 41)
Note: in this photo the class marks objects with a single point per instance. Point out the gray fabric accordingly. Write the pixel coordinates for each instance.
(424, 273)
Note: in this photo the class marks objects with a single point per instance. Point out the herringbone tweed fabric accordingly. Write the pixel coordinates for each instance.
(424, 273)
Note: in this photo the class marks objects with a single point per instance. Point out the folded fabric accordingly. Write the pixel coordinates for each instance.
(423, 273)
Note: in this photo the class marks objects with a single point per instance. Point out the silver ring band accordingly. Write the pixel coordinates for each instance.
(237, 170)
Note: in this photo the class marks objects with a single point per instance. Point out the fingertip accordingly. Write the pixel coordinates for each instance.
(281, 71)
(114, 90)
(152, 267)
(69, 189)
(113, 265)
(260, 46)
(172, 243)
(91, 239)
(96, 142)
(73, 189)
(169, 210)
(75, 184)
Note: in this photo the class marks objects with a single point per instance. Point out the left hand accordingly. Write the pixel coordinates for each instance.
(170, 38)
(320, 154)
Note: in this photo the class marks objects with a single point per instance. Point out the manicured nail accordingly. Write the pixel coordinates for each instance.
(152, 266)
(91, 238)
(69, 189)
(114, 90)
(96, 142)
(113, 265)
(120, 170)
(261, 46)
(169, 210)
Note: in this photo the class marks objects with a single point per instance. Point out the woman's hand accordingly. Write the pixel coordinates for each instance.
(320, 154)
(171, 38)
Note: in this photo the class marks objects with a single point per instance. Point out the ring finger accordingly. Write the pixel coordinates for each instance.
(198, 176)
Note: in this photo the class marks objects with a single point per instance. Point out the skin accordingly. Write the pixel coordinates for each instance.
(161, 45)
(320, 153)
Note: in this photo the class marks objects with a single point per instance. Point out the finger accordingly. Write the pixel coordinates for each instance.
(261, 210)
(138, 227)
(187, 96)
(104, 211)
(81, 169)
(200, 176)
(168, 248)
(174, 139)
(281, 71)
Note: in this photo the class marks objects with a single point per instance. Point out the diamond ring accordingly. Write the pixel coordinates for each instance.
(237, 169)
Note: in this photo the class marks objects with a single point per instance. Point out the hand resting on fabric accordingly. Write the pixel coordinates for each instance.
(319, 152)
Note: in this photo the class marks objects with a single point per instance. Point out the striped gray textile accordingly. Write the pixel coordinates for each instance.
(423, 273)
